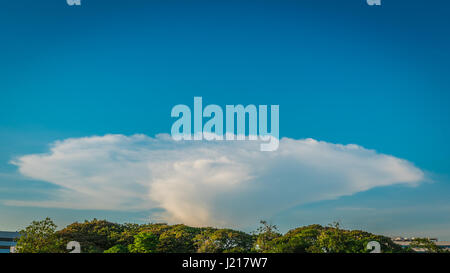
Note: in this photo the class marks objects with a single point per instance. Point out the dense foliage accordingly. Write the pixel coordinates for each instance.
(40, 237)
(102, 236)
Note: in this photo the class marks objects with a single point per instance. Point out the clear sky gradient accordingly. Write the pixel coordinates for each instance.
(341, 71)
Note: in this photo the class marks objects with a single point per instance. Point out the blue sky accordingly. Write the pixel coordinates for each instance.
(342, 72)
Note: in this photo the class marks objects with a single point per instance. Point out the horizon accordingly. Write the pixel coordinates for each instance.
(393, 237)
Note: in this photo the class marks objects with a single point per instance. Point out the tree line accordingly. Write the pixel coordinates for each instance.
(101, 236)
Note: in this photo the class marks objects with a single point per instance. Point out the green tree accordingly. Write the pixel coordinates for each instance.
(265, 234)
(299, 240)
(126, 237)
(93, 236)
(39, 237)
(223, 241)
(363, 238)
(117, 249)
(178, 239)
(103, 236)
(335, 240)
(144, 242)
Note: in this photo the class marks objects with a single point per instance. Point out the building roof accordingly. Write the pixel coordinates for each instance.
(9, 234)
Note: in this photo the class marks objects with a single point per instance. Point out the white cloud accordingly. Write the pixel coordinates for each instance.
(206, 183)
